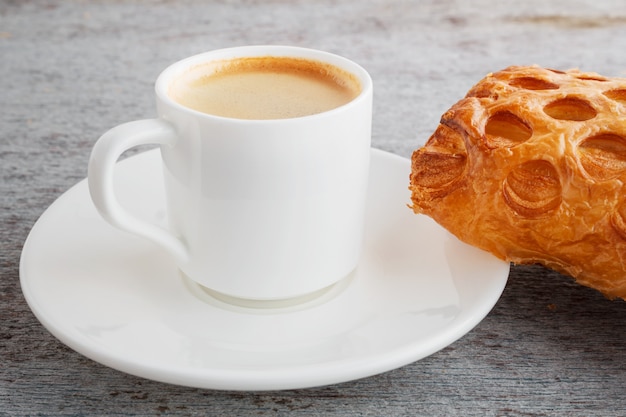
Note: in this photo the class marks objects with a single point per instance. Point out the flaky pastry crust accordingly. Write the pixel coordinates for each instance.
(531, 166)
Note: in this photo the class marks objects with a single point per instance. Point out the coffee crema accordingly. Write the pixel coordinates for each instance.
(262, 88)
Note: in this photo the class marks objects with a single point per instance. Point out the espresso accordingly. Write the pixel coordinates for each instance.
(262, 88)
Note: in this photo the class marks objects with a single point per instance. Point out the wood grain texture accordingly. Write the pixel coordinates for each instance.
(70, 70)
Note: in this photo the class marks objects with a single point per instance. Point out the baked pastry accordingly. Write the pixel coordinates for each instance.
(531, 166)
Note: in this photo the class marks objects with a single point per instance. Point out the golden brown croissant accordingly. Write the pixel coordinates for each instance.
(531, 166)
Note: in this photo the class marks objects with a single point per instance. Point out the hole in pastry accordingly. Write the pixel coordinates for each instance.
(603, 156)
(591, 78)
(618, 221)
(531, 83)
(533, 189)
(441, 162)
(504, 129)
(570, 108)
(556, 71)
(617, 95)
(436, 170)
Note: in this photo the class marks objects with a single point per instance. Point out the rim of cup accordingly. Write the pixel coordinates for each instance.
(178, 68)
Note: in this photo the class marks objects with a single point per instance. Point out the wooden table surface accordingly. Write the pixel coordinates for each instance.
(71, 69)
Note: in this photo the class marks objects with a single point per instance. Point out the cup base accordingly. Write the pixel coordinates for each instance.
(287, 304)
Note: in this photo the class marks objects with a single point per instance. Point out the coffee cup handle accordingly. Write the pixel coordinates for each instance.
(104, 156)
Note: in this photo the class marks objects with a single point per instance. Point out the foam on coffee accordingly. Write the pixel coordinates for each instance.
(265, 88)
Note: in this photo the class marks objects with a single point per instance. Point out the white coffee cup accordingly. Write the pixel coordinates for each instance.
(258, 209)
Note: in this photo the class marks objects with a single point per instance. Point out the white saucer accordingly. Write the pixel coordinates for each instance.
(119, 300)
